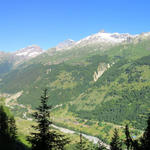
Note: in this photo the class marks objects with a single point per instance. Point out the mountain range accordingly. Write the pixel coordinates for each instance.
(104, 77)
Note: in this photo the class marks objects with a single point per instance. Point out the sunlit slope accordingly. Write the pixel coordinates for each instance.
(111, 85)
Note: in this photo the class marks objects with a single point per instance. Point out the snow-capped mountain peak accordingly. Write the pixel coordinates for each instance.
(102, 38)
(29, 52)
(106, 38)
(64, 45)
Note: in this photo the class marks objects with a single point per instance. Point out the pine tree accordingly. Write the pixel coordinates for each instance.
(12, 129)
(44, 138)
(128, 140)
(8, 131)
(3, 122)
(130, 143)
(7, 125)
(115, 142)
(145, 141)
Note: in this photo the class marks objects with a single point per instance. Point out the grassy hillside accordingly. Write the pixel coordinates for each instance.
(121, 94)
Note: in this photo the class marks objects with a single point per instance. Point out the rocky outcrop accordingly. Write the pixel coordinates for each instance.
(100, 70)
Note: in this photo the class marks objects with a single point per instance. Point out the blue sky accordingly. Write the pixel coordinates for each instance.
(48, 22)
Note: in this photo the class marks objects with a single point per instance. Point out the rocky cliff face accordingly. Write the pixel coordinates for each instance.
(100, 70)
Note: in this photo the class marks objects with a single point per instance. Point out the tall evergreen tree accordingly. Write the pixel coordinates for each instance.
(44, 138)
(8, 132)
(130, 143)
(145, 140)
(3, 122)
(128, 140)
(7, 125)
(115, 142)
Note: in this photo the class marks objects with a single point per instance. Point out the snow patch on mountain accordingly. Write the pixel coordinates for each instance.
(29, 52)
(101, 38)
(106, 38)
(65, 45)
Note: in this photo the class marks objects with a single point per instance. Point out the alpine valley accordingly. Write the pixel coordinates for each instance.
(95, 85)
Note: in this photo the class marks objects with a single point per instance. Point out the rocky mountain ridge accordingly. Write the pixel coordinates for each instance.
(29, 51)
(64, 45)
(104, 39)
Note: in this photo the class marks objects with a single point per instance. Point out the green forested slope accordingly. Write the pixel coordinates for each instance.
(121, 93)
(127, 94)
